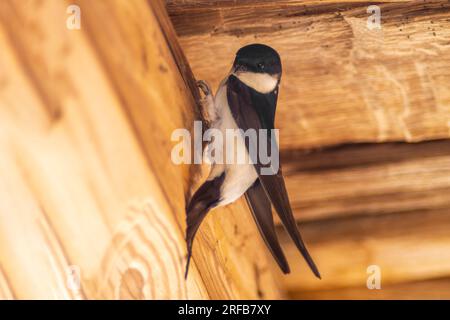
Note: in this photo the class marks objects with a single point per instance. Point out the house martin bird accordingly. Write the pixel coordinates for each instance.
(247, 99)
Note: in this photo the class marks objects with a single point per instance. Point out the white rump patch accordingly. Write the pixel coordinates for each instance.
(261, 82)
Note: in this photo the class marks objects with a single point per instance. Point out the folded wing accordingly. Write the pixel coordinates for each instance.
(253, 110)
(262, 213)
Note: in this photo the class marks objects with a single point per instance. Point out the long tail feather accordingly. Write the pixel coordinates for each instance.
(276, 190)
(262, 213)
(204, 199)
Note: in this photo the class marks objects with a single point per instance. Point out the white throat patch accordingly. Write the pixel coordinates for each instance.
(261, 82)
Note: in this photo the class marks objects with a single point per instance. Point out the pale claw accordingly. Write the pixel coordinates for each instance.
(204, 86)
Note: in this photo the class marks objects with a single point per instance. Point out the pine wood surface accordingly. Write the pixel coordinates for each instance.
(86, 176)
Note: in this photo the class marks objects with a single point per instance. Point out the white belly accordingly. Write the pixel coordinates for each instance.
(238, 177)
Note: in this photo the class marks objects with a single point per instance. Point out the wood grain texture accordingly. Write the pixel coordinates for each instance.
(407, 247)
(342, 82)
(431, 289)
(5, 290)
(382, 204)
(345, 89)
(368, 179)
(86, 177)
(226, 275)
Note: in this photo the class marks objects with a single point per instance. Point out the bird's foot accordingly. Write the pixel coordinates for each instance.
(209, 112)
(204, 86)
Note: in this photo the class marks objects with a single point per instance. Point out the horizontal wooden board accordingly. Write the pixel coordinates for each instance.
(431, 289)
(407, 247)
(342, 82)
(368, 179)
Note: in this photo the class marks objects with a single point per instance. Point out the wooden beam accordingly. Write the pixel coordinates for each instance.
(86, 176)
(342, 82)
(5, 290)
(407, 247)
(368, 179)
(438, 289)
(249, 276)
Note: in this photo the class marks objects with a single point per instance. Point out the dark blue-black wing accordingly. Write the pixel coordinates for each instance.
(253, 110)
(262, 213)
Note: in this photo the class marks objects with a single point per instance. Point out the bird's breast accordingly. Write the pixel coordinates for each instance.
(240, 173)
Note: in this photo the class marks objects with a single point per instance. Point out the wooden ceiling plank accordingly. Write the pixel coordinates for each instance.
(342, 82)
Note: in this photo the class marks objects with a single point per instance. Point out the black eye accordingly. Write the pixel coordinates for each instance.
(261, 66)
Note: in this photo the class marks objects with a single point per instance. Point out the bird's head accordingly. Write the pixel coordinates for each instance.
(258, 66)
